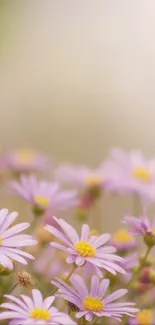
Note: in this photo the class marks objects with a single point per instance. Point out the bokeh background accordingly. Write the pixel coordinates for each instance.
(78, 77)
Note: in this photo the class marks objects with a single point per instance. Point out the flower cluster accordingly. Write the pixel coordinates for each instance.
(61, 272)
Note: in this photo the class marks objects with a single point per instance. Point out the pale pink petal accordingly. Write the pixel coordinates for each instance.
(85, 232)
(37, 298)
(8, 220)
(79, 285)
(15, 229)
(79, 260)
(115, 295)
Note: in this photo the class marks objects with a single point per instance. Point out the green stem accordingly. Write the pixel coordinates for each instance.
(140, 267)
(10, 291)
(66, 279)
(125, 321)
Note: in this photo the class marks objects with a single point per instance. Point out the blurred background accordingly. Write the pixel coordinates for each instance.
(77, 77)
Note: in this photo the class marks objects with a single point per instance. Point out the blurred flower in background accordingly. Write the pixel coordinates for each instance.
(131, 173)
(25, 161)
(43, 195)
(123, 241)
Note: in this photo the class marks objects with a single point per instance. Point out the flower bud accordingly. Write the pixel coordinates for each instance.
(149, 240)
(24, 279)
(144, 276)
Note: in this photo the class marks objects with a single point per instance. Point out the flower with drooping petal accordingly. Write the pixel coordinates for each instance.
(11, 241)
(132, 173)
(25, 160)
(94, 302)
(86, 248)
(142, 227)
(123, 241)
(43, 195)
(33, 311)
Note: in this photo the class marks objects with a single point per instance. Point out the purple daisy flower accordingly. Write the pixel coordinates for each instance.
(93, 302)
(25, 160)
(35, 310)
(123, 241)
(85, 179)
(140, 226)
(86, 248)
(43, 195)
(131, 173)
(81, 176)
(11, 241)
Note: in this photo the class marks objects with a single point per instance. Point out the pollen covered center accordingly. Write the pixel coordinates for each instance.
(93, 304)
(41, 201)
(144, 317)
(142, 174)
(122, 236)
(25, 156)
(41, 314)
(85, 249)
(93, 181)
(1, 240)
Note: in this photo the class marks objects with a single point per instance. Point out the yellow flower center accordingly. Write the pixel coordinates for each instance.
(94, 232)
(42, 201)
(93, 181)
(1, 240)
(144, 317)
(142, 174)
(25, 156)
(41, 314)
(93, 304)
(122, 236)
(85, 249)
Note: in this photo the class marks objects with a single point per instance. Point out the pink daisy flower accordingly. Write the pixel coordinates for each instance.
(92, 181)
(35, 310)
(43, 195)
(11, 241)
(94, 302)
(25, 160)
(131, 173)
(85, 248)
(140, 226)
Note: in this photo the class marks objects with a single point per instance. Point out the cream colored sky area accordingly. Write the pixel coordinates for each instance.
(78, 77)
